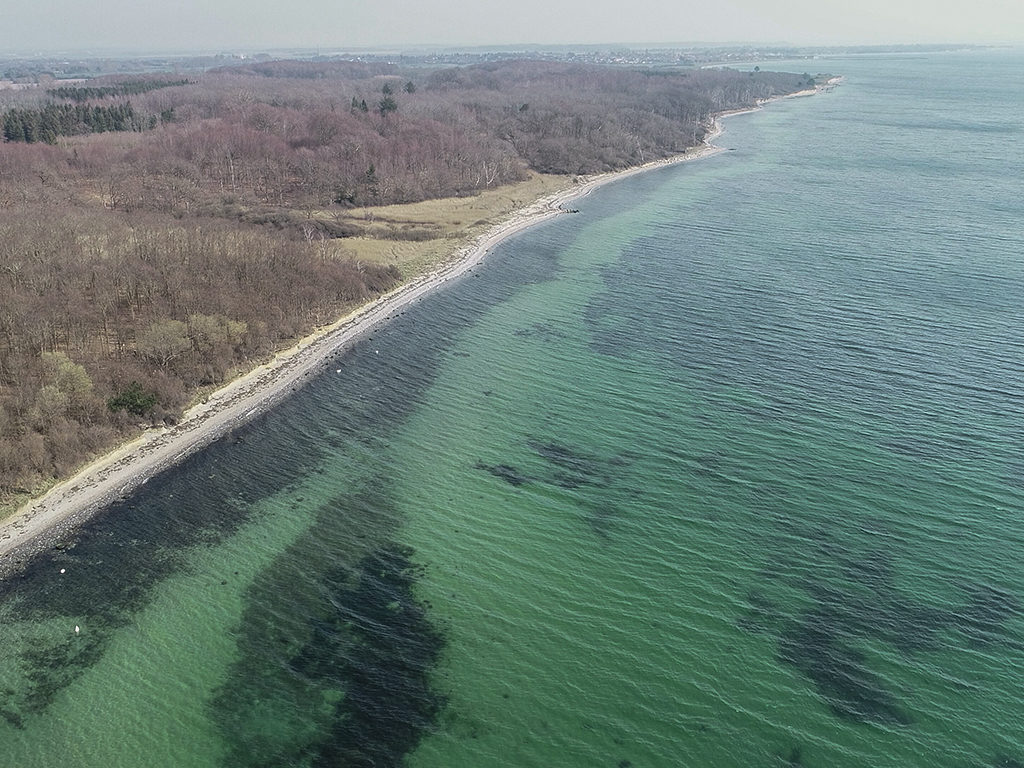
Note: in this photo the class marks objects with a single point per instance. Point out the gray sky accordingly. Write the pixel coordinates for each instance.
(222, 25)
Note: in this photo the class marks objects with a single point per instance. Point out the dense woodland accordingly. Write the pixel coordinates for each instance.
(140, 263)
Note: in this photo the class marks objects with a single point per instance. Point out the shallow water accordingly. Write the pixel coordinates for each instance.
(722, 471)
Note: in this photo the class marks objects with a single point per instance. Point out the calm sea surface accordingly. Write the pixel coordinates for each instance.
(726, 470)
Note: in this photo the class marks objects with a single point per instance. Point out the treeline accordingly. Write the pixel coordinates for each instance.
(312, 70)
(575, 119)
(315, 134)
(83, 93)
(106, 322)
(46, 123)
(295, 134)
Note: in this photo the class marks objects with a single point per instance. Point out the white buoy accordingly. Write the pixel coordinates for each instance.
(62, 570)
(76, 629)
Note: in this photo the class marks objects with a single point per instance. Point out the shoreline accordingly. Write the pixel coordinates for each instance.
(51, 518)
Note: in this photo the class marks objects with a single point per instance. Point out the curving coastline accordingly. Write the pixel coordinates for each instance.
(50, 518)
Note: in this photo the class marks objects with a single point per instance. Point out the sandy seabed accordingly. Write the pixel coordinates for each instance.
(50, 518)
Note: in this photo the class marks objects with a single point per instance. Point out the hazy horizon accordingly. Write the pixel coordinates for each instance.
(58, 26)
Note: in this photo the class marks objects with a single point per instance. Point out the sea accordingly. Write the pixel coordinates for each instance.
(724, 470)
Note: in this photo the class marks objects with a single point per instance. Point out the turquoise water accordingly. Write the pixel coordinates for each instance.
(723, 471)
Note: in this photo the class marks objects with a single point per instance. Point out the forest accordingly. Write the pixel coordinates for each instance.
(159, 235)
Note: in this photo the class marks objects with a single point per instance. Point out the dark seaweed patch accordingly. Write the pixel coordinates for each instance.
(986, 614)
(866, 605)
(11, 716)
(506, 472)
(46, 668)
(820, 643)
(267, 713)
(379, 646)
(708, 465)
(881, 611)
(824, 600)
(838, 670)
(762, 615)
(1001, 761)
(543, 331)
(354, 691)
(569, 480)
(600, 517)
(565, 457)
(574, 469)
(794, 758)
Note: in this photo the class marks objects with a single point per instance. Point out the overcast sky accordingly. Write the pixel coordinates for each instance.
(250, 25)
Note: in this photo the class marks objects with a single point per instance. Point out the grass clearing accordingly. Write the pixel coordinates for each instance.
(416, 237)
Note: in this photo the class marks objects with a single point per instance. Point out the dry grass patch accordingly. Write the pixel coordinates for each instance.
(418, 236)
